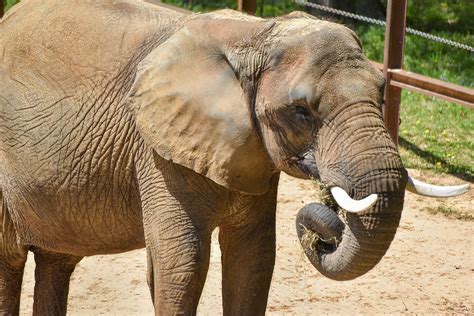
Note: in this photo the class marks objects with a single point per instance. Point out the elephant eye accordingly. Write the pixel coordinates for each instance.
(301, 110)
(302, 115)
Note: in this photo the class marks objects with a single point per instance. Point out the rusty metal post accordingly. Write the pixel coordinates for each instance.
(393, 59)
(247, 6)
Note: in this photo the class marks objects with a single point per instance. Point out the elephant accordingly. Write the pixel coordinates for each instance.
(126, 125)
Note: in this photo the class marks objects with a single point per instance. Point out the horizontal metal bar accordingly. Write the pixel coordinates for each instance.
(433, 87)
(431, 93)
(429, 86)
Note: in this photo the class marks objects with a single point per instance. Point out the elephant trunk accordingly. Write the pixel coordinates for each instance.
(348, 247)
(361, 159)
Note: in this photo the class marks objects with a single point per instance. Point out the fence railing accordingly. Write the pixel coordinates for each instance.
(397, 78)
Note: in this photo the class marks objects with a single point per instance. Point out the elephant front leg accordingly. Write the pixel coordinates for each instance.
(248, 258)
(178, 259)
(179, 209)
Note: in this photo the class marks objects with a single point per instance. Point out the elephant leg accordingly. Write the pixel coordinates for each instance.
(52, 274)
(248, 258)
(179, 215)
(12, 263)
(178, 264)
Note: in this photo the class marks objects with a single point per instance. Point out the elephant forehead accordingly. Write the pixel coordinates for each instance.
(301, 26)
(301, 91)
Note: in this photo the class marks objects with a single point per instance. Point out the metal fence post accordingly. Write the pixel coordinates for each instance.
(393, 59)
(247, 6)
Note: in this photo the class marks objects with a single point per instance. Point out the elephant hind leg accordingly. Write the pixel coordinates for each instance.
(52, 274)
(12, 263)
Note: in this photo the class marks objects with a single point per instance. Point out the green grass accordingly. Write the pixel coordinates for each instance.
(441, 15)
(448, 212)
(437, 135)
(426, 57)
(9, 4)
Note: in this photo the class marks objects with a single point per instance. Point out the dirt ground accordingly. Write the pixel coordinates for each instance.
(428, 269)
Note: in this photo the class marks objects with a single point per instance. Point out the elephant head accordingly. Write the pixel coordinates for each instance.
(239, 99)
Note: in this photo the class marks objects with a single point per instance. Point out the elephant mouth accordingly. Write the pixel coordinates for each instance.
(304, 165)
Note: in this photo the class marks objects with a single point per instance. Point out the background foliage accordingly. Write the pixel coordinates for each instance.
(434, 134)
(10, 3)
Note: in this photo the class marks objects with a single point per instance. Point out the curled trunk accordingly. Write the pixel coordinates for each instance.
(348, 247)
(355, 153)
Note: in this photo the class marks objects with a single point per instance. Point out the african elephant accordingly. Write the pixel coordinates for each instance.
(125, 125)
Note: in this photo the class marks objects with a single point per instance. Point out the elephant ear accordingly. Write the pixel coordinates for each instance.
(190, 107)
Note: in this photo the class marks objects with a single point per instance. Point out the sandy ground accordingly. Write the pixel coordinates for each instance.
(428, 269)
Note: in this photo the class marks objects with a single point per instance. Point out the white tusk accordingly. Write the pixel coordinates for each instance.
(421, 188)
(349, 204)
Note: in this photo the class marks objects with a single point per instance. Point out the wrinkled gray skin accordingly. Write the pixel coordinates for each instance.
(126, 125)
